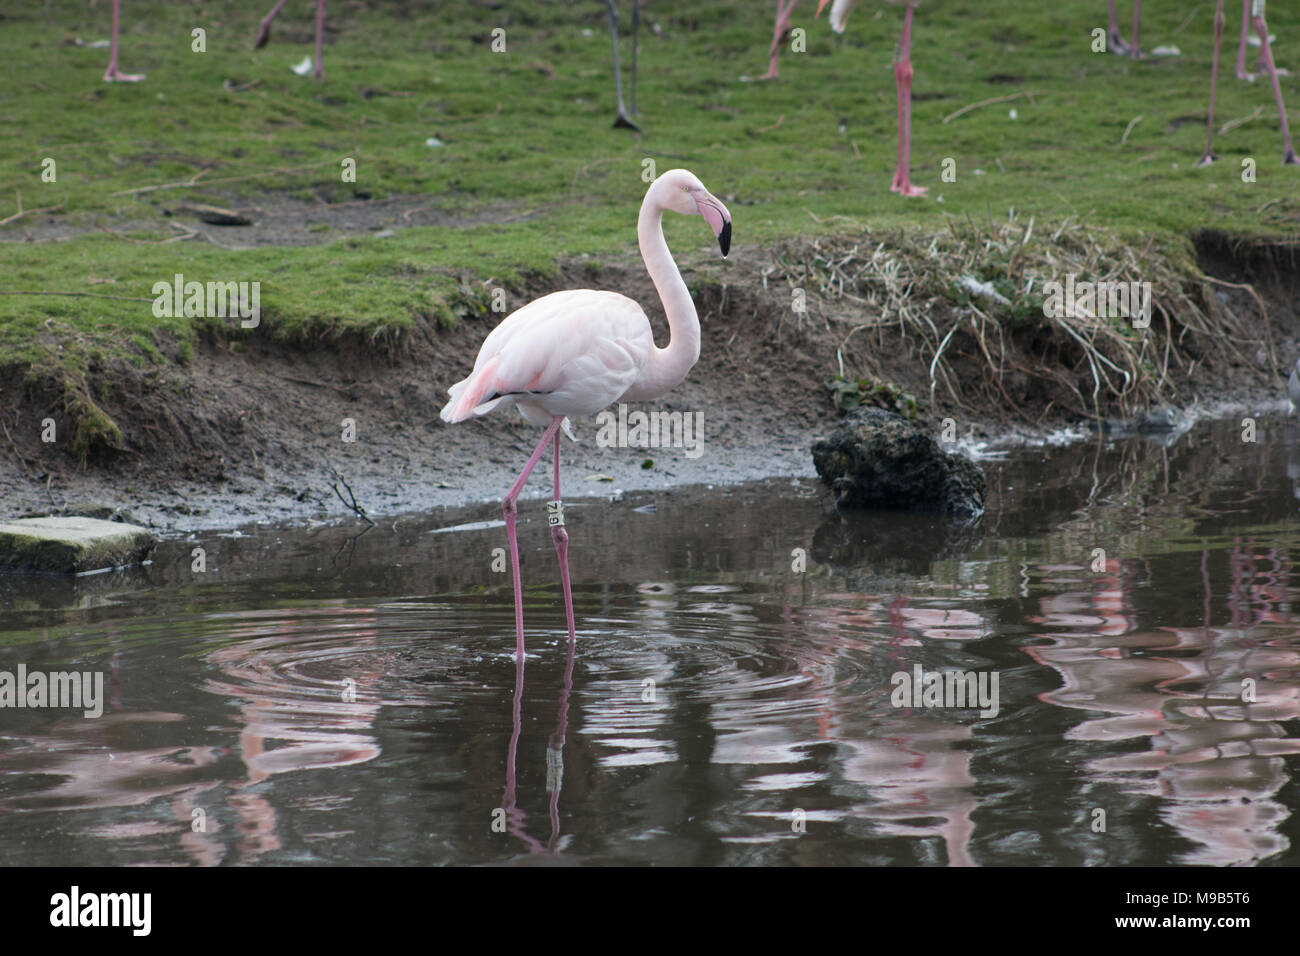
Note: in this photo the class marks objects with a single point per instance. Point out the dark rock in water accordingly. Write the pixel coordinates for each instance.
(71, 545)
(877, 459)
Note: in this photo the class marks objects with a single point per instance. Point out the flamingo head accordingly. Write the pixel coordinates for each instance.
(683, 193)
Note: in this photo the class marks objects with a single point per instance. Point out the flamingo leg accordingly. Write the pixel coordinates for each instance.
(1114, 42)
(1241, 44)
(561, 539)
(319, 72)
(510, 514)
(264, 31)
(113, 74)
(902, 183)
(1208, 156)
(1266, 56)
(779, 31)
(636, 27)
(621, 120)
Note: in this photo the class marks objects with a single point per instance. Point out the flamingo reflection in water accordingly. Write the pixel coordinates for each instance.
(1215, 760)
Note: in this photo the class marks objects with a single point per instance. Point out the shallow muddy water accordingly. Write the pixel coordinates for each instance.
(315, 697)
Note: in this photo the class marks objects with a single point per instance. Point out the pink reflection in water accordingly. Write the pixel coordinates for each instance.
(287, 721)
(1214, 759)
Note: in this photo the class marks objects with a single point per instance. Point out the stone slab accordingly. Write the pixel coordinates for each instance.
(71, 545)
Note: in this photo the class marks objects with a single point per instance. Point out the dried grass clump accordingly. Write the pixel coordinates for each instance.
(976, 290)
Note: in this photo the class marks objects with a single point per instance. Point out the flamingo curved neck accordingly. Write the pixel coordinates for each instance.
(668, 366)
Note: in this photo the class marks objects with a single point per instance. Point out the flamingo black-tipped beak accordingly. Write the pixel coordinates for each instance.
(717, 216)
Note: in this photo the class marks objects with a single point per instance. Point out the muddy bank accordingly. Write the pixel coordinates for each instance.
(252, 429)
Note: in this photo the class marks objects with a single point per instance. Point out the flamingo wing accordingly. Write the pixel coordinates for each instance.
(567, 353)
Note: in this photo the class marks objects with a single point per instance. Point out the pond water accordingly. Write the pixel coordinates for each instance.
(312, 696)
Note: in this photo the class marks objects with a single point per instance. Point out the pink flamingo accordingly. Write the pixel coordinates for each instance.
(1266, 60)
(902, 183)
(574, 352)
(264, 34)
(779, 33)
(113, 74)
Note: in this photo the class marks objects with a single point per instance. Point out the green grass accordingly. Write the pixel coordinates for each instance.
(529, 130)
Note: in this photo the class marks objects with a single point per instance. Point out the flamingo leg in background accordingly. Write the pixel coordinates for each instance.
(636, 27)
(902, 183)
(1208, 156)
(264, 35)
(621, 120)
(1115, 43)
(319, 71)
(113, 74)
(510, 513)
(1266, 58)
(779, 31)
(1242, 72)
(561, 539)
(1241, 45)
(264, 31)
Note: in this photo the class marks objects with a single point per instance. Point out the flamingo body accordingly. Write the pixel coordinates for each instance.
(568, 353)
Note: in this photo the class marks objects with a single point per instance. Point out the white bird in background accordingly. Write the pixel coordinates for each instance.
(575, 352)
(902, 183)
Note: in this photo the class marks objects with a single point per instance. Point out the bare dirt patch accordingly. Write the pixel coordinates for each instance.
(276, 220)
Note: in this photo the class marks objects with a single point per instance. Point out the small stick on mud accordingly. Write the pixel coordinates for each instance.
(350, 502)
(49, 480)
(21, 460)
(26, 212)
(191, 183)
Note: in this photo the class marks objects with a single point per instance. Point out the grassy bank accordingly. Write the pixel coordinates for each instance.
(530, 164)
